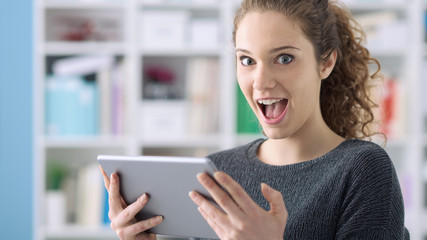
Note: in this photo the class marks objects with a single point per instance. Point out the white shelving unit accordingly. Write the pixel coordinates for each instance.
(77, 151)
(407, 152)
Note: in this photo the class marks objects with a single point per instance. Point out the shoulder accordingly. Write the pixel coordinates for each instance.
(363, 148)
(365, 155)
(372, 197)
(369, 171)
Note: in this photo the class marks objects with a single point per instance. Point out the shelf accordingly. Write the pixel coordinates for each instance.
(396, 143)
(68, 48)
(205, 141)
(199, 5)
(389, 53)
(180, 52)
(80, 232)
(377, 6)
(118, 5)
(84, 142)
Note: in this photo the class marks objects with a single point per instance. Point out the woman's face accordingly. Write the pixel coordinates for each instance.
(278, 73)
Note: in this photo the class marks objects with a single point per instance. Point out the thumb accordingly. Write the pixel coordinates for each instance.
(275, 199)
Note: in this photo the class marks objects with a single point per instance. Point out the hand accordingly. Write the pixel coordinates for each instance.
(241, 217)
(122, 217)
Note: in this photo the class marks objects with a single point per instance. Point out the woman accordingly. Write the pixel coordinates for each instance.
(304, 73)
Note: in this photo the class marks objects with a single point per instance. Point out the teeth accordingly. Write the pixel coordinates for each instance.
(269, 101)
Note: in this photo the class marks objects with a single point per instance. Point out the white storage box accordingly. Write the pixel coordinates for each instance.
(160, 119)
(164, 29)
(204, 34)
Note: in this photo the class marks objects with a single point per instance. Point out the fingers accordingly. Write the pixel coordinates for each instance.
(124, 223)
(129, 212)
(243, 200)
(137, 228)
(122, 216)
(213, 216)
(209, 209)
(114, 196)
(106, 179)
(221, 197)
(217, 228)
(275, 199)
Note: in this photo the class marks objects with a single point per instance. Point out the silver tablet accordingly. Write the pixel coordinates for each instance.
(167, 180)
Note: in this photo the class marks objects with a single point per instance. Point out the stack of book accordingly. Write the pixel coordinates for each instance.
(76, 106)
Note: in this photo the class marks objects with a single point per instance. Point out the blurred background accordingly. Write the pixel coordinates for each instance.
(156, 77)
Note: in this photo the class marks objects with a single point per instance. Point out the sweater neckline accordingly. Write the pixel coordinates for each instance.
(251, 156)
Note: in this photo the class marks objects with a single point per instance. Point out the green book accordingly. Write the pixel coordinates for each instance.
(247, 122)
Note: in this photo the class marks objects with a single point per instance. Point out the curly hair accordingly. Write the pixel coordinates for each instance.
(345, 101)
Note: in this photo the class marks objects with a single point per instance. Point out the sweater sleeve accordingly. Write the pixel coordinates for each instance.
(372, 206)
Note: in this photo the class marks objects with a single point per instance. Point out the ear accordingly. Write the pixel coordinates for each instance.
(327, 65)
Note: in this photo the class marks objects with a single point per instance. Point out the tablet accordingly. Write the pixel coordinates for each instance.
(167, 180)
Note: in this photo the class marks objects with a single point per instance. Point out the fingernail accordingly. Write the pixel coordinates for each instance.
(203, 177)
(219, 176)
(143, 197)
(193, 196)
(267, 187)
(158, 219)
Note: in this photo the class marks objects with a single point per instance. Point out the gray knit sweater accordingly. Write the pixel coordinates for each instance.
(352, 192)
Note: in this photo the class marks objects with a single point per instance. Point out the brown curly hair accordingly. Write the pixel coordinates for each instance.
(345, 101)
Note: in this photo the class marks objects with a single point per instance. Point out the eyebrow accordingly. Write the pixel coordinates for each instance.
(282, 48)
(271, 51)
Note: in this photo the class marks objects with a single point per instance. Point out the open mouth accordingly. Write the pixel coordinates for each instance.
(273, 109)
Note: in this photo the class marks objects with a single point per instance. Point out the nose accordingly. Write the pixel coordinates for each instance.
(263, 78)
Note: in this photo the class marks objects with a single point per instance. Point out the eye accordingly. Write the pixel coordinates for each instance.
(285, 59)
(246, 61)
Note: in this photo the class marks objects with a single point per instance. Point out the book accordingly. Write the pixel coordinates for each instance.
(424, 90)
(247, 122)
(86, 197)
(118, 103)
(202, 94)
(384, 30)
(391, 99)
(82, 65)
(109, 83)
(70, 106)
(92, 205)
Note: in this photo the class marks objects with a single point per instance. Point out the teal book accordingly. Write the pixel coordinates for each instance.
(71, 106)
(105, 218)
(247, 122)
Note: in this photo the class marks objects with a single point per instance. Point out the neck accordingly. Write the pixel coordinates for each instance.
(307, 145)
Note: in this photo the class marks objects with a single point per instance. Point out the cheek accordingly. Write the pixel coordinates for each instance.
(246, 87)
(306, 91)
(244, 80)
